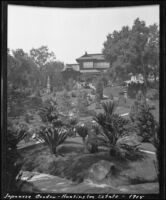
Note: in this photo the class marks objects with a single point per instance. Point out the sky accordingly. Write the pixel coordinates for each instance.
(69, 32)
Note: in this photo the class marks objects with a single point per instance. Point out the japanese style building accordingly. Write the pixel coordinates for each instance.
(92, 63)
(88, 65)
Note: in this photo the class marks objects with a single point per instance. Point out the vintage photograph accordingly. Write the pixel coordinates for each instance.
(83, 100)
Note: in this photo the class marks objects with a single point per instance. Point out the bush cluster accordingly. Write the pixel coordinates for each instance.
(152, 94)
(13, 159)
(133, 89)
(141, 116)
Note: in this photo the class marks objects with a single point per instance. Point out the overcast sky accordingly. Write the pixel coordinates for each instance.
(71, 32)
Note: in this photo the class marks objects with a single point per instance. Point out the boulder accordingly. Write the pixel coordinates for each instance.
(100, 170)
(141, 171)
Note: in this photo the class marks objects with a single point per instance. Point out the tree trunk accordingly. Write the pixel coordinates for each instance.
(54, 151)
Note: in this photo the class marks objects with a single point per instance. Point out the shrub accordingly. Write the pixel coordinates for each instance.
(70, 84)
(92, 140)
(133, 89)
(144, 120)
(13, 158)
(71, 124)
(82, 102)
(152, 94)
(49, 112)
(114, 127)
(82, 131)
(64, 102)
(53, 136)
(54, 131)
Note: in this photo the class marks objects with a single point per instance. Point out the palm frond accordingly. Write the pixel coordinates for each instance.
(109, 107)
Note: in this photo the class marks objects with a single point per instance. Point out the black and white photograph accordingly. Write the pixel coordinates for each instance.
(83, 100)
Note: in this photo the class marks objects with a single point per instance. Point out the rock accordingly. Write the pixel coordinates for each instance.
(25, 186)
(141, 171)
(100, 170)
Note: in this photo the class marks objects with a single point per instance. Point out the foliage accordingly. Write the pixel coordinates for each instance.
(152, 94)
(23, 73)
(133, 89)
(13, 163)
(53, 136)
(54, 131)
(70, 84)
(114, 127)
(82, 131)
(71, 124)
(144, 120)
(82, 102)
(133, 50)
(113, 124)
(49, 112)
(53, 71)
(64, 102)
(41, 55)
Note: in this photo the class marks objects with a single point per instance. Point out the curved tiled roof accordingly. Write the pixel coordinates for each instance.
(96, 56)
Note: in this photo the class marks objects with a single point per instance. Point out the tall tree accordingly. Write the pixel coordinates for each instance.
(53, 71)
(133, 50)
(25, 75)
(115, 50)
(153, 51)
(42, 55)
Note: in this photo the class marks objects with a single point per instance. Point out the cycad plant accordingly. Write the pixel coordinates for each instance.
(114, 127)
(144, 120)
(53, 137)
(49, 112)
(54, 131)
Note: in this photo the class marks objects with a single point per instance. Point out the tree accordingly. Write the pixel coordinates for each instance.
(22, 71)
(153, 51)
(23, 80)
(115, 51)
(53, 71)
(133, 50)
(42, 56)
(19, 53)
